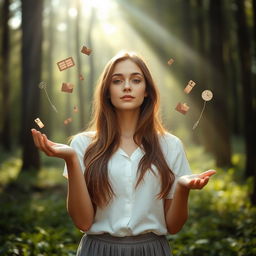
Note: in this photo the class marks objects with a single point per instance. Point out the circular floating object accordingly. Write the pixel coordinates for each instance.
(207, 95)
(42, 85)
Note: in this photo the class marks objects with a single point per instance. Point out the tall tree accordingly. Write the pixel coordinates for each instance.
(247, 90)
(5, 53)
(91, 59)
(80, 89)
(220, 137)
(68, 127)
(50, 50)
(202, 71)
(31, 71)
(253, 197)
(191, 63)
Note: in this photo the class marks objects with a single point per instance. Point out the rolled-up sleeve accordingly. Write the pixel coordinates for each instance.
(176, 159)
(79, 143)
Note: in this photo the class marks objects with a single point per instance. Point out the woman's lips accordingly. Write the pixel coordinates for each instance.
(127, 97)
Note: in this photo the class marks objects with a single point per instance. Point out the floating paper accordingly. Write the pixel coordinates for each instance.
(86, 50)
(68, 120)
(39, 123)
(189, 87)
(170, 61)
(66, 63)
(67, 87)
(182, 108)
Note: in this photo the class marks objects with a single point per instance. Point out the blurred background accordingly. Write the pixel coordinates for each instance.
(212, 43)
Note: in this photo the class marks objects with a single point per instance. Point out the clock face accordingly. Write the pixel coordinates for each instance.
(207, 95)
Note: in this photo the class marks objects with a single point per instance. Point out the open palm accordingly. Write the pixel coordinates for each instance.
(196, 181)
(51, 148)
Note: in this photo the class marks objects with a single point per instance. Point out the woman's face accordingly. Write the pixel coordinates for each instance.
(127, 87)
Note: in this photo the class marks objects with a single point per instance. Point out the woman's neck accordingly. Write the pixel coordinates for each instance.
(127, 121)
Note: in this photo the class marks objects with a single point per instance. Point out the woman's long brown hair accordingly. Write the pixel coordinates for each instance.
(107, 137)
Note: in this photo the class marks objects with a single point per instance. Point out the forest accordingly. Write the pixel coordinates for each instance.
(52, 54)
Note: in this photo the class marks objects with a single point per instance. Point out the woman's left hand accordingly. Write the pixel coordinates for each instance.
(196, 181)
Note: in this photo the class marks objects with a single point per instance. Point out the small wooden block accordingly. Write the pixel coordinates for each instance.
(86, 50)
(39, 123)
(182, 108)
(170, 61)
(67, 87)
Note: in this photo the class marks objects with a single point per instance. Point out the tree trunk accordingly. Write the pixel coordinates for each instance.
(219, 131)
(253, 196)
(201, 133)
(189, 63)
(68, 127)
(232, 69)
(80, 87)
(91, 59)
(31, 72)
(6, 109)
(50, 84)
(247, 90)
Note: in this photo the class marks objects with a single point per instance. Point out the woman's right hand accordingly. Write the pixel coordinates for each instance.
(51, 148)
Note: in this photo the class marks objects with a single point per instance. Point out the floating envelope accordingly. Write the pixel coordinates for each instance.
(182, 108)
(75, 109)
(86, 50)
(170, 61)
(68, 120)
(67, 87)
(66, 63)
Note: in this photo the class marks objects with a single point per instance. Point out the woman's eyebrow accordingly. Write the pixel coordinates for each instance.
(137, 73)
(117, 74)
(132, 74)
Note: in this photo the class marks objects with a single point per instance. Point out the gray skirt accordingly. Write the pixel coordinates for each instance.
(148, 244)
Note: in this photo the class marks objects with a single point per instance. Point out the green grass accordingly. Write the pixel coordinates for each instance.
(34, 220)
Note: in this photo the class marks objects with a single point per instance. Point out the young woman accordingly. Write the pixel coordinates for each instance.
(128, 179)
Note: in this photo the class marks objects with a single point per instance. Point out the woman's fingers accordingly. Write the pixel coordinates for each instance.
(198, 183)
(40, 141)
(207, 173)
(47, 147)
(35, 137)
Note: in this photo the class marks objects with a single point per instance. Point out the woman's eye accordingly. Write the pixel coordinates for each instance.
(117, 81)
(136, 81)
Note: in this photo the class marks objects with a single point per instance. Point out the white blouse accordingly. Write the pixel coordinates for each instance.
(134, 211)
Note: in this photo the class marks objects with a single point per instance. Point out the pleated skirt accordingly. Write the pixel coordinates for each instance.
(148, 244)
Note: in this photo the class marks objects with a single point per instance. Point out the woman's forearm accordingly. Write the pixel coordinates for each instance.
(79, 203)
(177, 213)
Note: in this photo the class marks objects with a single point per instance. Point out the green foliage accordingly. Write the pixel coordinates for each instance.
(33, 216)
(34, 220)
(222, 222)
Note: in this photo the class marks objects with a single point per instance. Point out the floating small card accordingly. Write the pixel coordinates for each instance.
(39, 123)
(189, 87)
(67, 87)
(86, 50)
(66, 63)
(182, 108)
(170, 61)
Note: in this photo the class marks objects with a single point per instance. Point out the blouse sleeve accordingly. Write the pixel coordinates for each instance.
(79, 143)
(177, 160)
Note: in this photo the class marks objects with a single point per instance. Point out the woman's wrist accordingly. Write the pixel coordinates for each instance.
(181, 188)
(70, 160)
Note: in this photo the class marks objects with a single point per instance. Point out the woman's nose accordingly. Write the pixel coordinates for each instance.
(127, 85)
